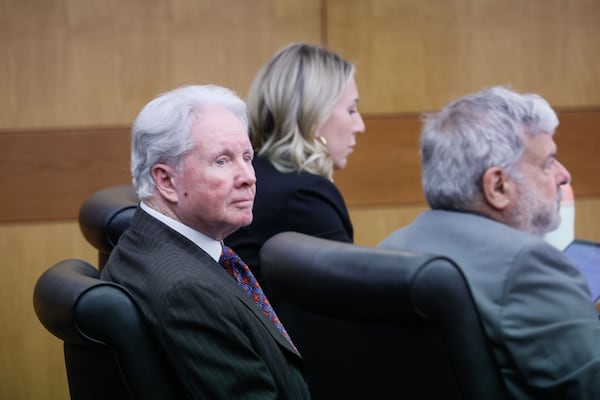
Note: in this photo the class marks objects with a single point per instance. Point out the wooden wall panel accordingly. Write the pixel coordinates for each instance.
(71, 63)
(373, 224)
(74, 63)
(48, 174)
(415, 55)
(31, 359)
(577, 141)
(385, 167)
(587, 218)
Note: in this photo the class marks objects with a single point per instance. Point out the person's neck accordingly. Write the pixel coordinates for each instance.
(160, 206)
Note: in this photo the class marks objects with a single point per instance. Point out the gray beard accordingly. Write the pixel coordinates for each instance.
(531, 214)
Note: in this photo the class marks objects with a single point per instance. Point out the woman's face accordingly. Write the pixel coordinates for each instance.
(340, 129)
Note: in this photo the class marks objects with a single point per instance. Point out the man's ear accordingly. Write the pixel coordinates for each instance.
(497, 188)
(164, 179)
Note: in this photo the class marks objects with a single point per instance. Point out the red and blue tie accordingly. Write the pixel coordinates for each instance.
(242, 274)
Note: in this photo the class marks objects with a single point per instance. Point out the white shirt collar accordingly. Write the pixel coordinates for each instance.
(211, 246)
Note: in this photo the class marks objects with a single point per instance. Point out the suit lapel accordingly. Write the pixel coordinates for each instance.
(267, 323)
(243, 297)
(148, 225)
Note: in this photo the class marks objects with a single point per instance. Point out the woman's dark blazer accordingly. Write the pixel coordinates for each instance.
(296, 201)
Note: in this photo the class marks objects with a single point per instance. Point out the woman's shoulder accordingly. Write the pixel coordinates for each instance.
(268, 175)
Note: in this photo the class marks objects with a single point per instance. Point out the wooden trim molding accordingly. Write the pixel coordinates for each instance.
(385, 168)
(47, 174)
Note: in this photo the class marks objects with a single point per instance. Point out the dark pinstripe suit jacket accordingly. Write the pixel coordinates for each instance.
(220, 345)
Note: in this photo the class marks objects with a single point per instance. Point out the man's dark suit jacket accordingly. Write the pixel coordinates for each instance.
(218, 342)
(296, 201)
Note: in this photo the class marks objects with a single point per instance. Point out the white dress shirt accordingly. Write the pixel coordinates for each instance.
(211, 246)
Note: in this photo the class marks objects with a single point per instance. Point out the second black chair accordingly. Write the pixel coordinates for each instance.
(378, 324)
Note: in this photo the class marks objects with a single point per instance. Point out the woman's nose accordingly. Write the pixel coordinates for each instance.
(360, 125)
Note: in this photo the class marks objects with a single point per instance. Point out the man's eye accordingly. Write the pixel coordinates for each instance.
(221, 161)
(550, 163)
(248, 158)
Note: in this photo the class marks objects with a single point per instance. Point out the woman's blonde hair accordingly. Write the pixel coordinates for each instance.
(290, 98)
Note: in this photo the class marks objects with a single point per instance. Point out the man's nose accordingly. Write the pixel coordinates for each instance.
(564, 176)
(247, 173)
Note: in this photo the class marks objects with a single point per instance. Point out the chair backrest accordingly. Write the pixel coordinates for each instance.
(105, 215)
(108, 352)
(379, 324)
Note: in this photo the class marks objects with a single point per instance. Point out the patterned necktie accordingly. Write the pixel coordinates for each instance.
(242, 274)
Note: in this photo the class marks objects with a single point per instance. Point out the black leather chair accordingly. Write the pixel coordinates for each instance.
(105, 215)
(108, 351)
(378, 324)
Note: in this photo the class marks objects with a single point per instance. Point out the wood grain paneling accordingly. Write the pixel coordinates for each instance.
(31, 359)
(373, 224)
(82, 63)
(587, 217)
(48, 174)
(415, 55)
(385, 168)
(578, 141)
(69, 63)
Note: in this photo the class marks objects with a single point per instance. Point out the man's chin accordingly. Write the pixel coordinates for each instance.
(552, 225)
(245, 221)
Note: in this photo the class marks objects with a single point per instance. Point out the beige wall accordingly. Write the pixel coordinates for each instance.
(85, 63)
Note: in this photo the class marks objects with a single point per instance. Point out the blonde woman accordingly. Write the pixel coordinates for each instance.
(303, 112)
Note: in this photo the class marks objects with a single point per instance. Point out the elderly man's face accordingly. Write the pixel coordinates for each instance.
(216, 184)
(538, 197)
